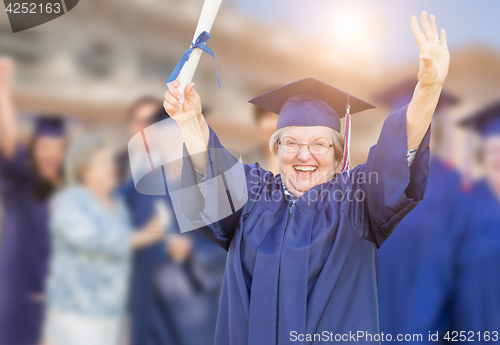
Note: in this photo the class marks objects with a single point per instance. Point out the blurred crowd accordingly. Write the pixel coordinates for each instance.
(84, 257)
(437, 275)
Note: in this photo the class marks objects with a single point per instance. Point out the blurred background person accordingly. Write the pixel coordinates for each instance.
(175, 283)
(92, 246)
(29, 174)
(139, 116)
(266, 122)
(400, 257)
(459, 289)
(146, 260)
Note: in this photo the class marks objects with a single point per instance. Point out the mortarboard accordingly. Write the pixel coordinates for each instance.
(310, 102)
(49, 125)
(397, 96)
(485, 122)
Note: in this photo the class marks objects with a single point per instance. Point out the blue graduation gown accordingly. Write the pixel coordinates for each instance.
(310, 268)
(172, 303)
(400, 258)
(145, 263)
(24, 253)
(459, 289)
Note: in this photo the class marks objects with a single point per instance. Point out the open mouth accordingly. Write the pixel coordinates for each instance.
(305, 170)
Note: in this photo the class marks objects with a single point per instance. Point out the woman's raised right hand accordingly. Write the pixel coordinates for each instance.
(173, 105)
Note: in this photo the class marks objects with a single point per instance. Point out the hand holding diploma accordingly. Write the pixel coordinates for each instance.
(187, 114)
(187, 65)
(182, 102)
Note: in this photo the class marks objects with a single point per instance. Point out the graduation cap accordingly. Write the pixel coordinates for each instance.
(52, 124)
(49, 125)
(485, 122)
(400, 94)
(310, 102)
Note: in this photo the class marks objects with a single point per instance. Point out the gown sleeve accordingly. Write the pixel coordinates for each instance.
(231, 189)
(390, 187)
(14, 171)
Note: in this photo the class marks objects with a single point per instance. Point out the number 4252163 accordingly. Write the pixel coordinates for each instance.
(34, 8)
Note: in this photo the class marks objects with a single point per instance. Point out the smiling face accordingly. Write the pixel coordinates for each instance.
(303, 170)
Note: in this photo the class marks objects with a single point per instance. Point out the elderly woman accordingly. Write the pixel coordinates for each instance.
(302, 264)
(92, 247)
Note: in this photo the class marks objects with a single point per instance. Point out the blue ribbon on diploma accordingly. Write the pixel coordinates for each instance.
(201, 43)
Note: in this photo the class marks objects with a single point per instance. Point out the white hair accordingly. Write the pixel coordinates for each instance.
(79, 158)
(338, 143)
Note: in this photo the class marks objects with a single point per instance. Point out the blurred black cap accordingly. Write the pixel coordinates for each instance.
(401, 93)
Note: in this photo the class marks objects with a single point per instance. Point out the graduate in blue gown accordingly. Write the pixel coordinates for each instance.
(302, 245)
(400, 258)
(176, 283)
(28, 176)
(459, 290)
(141, 208)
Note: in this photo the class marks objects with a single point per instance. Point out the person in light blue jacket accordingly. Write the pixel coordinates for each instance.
(92, 243)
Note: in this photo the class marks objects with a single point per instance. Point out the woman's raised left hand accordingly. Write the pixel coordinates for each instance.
(434, 55)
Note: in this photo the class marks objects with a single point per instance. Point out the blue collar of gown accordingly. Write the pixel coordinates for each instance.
(311, 201)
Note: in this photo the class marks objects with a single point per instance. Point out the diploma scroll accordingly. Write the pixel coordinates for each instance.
(207, 18)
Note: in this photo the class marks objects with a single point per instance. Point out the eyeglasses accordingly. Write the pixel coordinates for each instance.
(319, 147)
